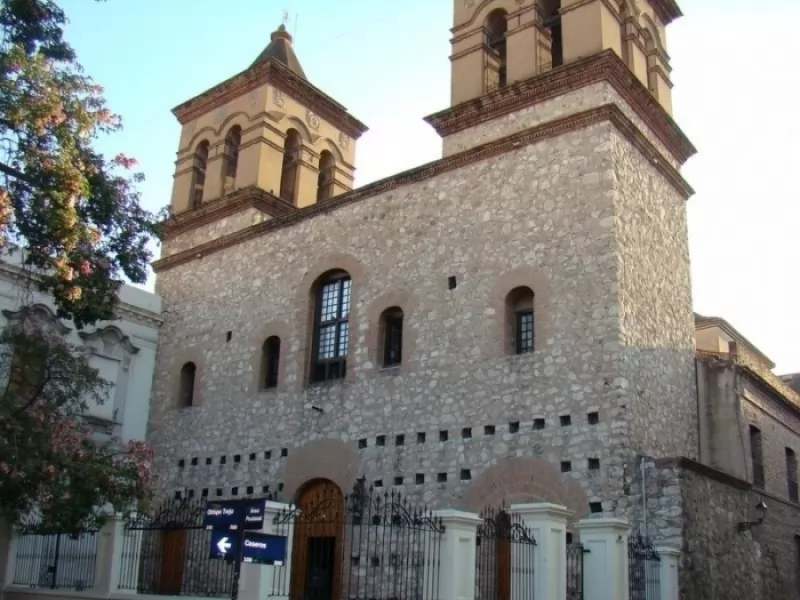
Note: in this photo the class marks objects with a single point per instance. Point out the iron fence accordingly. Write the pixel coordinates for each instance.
(56, 560)
(643, 569)
(504, 557)
(575, 552)
(362, 545)
(167, 553)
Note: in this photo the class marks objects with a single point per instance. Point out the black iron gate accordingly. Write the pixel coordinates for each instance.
(504, 557)
(362, 545)
(575, 554)
(166, 552)
(644, 579)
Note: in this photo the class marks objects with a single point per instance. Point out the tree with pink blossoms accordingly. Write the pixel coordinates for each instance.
(56, 473)
(75, 212)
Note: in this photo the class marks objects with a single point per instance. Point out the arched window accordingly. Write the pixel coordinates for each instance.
(327, 172)
(791, 474)
(652, 77)
(199, 173)
(519, 320)
(757, 456)
(270, 361)
(231, 159)
(550, 11)
(496, 28)
(186, 388)
(331, 326)
(291, 154)
(624, 16)
(391, 332)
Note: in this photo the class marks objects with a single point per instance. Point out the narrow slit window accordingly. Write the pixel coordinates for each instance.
(392, 334)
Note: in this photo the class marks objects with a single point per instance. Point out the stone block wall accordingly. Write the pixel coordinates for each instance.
(655, 307)
(721, 562)
(780, 429)
(698, 509)
(476, 423)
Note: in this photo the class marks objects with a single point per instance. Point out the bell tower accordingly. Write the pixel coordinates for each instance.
(265, 141)
(497, 43)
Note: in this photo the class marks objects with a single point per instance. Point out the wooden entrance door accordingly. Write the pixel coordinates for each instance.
(318, 538)
(503, 541)
(173, 559)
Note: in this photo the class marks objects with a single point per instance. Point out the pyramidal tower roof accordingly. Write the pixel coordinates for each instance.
(280, 49)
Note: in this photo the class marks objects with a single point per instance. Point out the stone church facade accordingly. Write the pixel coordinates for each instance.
(511, 323)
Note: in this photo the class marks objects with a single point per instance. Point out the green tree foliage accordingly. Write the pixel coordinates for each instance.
(56, 472)
(75, 212)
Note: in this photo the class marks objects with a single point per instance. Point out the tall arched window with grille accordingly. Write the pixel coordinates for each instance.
(331, 294)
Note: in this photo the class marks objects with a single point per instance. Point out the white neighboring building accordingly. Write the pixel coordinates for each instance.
(123, 350)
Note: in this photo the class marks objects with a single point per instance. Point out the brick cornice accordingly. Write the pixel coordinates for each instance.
(605, 66)
(608, 113)
(271, 71)
(239, 200)
(667, 10)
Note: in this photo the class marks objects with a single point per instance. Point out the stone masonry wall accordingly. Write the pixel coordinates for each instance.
(657, 322)
(542, 216)
(720, 562)
(780, 429)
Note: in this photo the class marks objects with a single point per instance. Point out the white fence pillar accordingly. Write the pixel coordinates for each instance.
(668, 573)
(108, 561)
(8, 554)
(548, 524)
(258, 582)
(605, 563)
(456, 573)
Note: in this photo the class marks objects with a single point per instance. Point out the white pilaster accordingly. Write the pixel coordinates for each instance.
(457, 551)
(605, 564)
(261, 581)
(668, 573)
(548, 525)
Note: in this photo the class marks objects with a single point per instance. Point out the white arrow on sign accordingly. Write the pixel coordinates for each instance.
(223, 545)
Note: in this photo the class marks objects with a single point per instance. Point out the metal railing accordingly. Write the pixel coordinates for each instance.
(167, 553)
(58, 560)
(575, 554)
(362, 545)
(644, 580)
(504, 553)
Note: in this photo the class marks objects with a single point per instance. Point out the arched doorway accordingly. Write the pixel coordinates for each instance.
(318, 538)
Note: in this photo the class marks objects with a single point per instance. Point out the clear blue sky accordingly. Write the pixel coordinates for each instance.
(736, 85)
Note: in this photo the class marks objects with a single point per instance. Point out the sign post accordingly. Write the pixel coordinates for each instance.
(229, 521)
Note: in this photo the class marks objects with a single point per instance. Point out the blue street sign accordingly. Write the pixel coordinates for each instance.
(224, 545)
(234, 515)
(253, 515)
(264, 548)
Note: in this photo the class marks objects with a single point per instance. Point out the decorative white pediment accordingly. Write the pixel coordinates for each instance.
(40, 313)
(109, 341)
